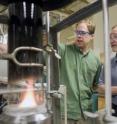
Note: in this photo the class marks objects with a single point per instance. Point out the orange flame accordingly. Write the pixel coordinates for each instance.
(30, 98)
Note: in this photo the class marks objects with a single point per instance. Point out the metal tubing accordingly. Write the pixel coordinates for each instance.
(12, 56)
(107, 58)
(48, 61)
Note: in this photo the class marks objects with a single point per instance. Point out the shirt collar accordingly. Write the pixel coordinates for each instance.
(84, 54)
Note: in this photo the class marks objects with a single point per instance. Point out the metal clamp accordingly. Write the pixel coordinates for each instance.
(12, 56)
(49, 48)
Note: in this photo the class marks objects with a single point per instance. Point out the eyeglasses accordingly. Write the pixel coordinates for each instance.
(113, 36)
(81, 33)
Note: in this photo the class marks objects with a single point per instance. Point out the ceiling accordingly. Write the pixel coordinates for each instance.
(65, 11)
(69, 9)
(58, 15)
(75, 6)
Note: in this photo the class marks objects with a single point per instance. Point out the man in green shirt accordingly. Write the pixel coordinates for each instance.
(79, 72)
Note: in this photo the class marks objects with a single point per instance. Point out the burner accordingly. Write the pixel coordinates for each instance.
(12, 114)
(14, 110)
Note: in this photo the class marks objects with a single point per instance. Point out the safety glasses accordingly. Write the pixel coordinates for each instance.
(113, 36)
(81, 33)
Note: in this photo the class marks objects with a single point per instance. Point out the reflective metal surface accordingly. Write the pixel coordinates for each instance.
(14, 115)
(44, 118)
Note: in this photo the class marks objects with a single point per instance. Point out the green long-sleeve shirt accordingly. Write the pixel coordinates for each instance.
(78, 72)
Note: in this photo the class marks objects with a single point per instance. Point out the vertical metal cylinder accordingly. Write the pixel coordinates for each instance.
(107, 58)
(48, 58)
(25, 29)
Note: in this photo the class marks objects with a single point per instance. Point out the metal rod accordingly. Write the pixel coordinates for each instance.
(107, 58)
(48, 56)
(17, 90)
